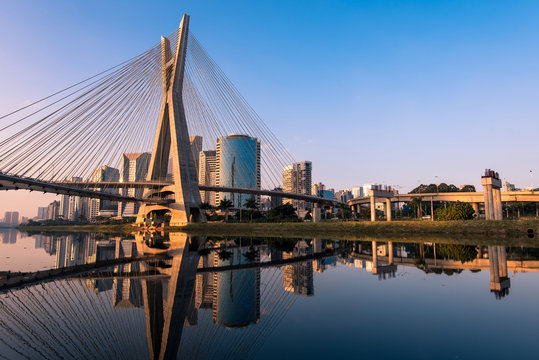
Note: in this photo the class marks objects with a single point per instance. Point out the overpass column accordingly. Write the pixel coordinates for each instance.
(497, 202)
(373, 208)
(388, 209)
(476, 208)
(390, 251)
(317, 212)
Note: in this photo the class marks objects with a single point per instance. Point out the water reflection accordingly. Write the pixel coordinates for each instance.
(9, 236)
(209, 297)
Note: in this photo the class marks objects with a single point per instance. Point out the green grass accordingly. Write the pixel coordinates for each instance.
(510, 232)
(359, 230)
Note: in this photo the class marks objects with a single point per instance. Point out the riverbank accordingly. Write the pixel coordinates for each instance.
(483, 228)
(107, 229)
(338, 230)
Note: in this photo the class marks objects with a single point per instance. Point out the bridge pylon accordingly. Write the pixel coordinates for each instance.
(172, 140)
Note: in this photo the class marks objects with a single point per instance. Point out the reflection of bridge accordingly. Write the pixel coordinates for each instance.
(181, 314)
(381, 262)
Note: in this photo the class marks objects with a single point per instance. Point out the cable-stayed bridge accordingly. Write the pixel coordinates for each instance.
(157, 104)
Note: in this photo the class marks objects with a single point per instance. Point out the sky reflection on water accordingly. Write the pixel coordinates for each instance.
(272, 298)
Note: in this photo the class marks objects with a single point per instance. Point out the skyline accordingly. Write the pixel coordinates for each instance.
(342, 156)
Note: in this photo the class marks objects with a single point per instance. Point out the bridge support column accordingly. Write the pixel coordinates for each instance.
(373, 208)
(475, 207)
(387, 209)
(492, 196)
(497, 203)
(317, 213)
(390, 251)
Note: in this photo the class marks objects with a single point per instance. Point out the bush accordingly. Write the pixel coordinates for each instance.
(456, 211)
(462, 253)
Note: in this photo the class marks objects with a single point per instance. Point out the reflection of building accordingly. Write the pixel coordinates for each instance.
(207, 173)
(134, 167)
(298, 277)
(238, 165)
(237, 293)
(297, 180)
(9, 236)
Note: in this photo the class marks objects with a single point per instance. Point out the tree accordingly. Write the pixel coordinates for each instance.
(225, 205)
(416, 203)
(345, 211)
(205, 206)
(283, 212)
(251, 205)
(456, 211)
(468, 188)
(462, 253)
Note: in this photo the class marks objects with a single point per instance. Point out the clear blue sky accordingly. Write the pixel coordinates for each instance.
(370, 91)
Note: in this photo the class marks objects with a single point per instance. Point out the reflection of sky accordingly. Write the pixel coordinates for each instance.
(352, 315)
(421, 316)
(23, 255)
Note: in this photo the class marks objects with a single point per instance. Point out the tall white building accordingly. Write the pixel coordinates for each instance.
(357, 192)
(207, 173)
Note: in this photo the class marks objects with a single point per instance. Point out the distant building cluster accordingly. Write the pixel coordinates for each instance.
(11, 218)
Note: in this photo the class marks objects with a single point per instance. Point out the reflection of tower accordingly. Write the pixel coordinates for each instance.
(298, 278)
(9, 236)
(127, 293)
(499, 282)
(204, 284)
(237, 293)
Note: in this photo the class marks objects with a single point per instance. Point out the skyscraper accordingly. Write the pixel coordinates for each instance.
(53, 210)
(195, 143)
(134, 167)
(207, 174)
(98, 207)
(238, 165)
(77, 206)
(297, 180)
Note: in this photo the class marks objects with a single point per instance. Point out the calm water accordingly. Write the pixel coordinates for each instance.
(252, 298)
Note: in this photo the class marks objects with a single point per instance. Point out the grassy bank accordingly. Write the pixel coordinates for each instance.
(107, 229)
(478, 231)
(506, 228)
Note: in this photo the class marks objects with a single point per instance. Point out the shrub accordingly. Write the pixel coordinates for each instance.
(456, 211)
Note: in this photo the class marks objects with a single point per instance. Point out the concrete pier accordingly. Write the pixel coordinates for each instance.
(492, 196)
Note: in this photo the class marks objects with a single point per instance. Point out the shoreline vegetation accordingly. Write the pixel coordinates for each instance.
(341, 230)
